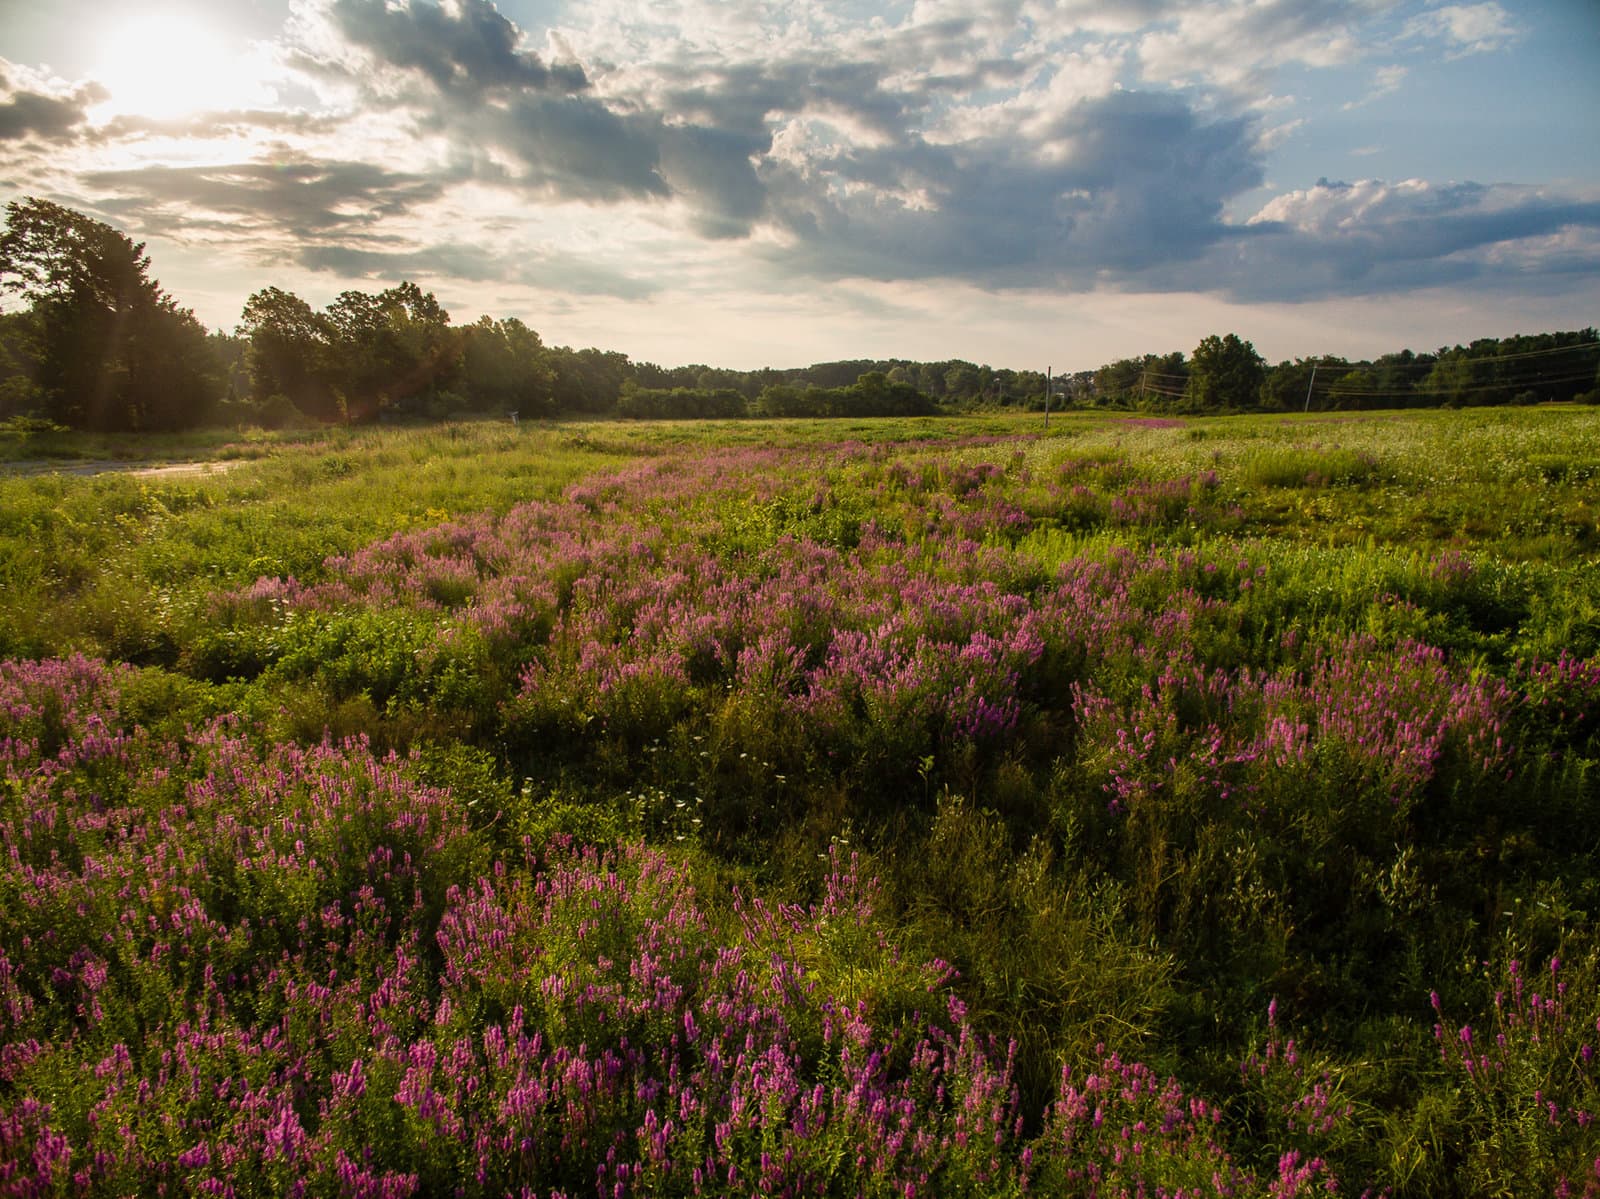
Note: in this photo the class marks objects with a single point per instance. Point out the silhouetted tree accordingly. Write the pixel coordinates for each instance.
(107, 348)
(366, 353)
(391, 347)
(588, 380)
(291, 353)
(504, 365)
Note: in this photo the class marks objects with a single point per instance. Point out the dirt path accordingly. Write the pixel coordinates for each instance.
(172, 470)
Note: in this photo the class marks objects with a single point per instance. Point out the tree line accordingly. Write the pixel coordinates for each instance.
(1226, 374)
(98, 344)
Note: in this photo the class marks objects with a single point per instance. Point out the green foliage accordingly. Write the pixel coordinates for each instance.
(1521, 369)
(363, 355)
(1272, 708)
(356, 653)
(1225, 373)
(872, 394)
(1042, 947)
(1151, 380)
(1525, 1083)
(504, 368)
(1311, 468)
(106, 348)
(679, 403)
(115, 561)
(1289, 386)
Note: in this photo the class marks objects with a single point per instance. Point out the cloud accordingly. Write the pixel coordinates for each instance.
(549, 269)
(713, 169)
(1239, 45)
(686, 133)
(1003, 144)
(1447, 217)
(299, 197)
(205, 126)
(32, 106)
(748, 96)
(1371, 236)
(1144, 180)
(893, 152)
(465, 48)
(572, 147)
(889, 156)
(1385, 81)
(352, 259)
(1465, 28)
(459, 74)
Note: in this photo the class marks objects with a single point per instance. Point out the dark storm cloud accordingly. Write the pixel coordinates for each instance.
(302, 198)
(469, 51)
(25, 112)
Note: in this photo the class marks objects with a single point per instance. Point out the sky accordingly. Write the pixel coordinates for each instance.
(1022, 183)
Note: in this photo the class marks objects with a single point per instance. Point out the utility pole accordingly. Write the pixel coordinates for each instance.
(1047, 397)
(1310, 385)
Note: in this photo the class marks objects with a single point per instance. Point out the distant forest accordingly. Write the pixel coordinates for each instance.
(98, 344)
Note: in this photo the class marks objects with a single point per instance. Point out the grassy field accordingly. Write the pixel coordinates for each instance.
(944, 806)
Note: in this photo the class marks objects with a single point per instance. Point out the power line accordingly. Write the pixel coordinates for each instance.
(1466, 354)
(1427, 362)
(1503, 385)
(1174, 386)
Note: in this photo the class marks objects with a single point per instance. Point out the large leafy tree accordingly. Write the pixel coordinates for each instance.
(106, 348)
(587, 380)
(1225, 373)
(503, 366)
(20, 393)
(392, 347)
(291, 353)
(362, 355)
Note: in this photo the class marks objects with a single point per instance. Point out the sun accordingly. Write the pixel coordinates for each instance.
(169, 64)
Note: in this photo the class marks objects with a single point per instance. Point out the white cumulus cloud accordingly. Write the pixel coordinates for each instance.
(1465, 28)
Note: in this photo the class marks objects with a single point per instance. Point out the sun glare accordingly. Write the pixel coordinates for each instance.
(167, 65)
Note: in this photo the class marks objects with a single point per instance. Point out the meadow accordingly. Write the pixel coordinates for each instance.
(944, 806)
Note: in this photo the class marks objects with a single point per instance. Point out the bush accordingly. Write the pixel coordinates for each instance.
(1312, 468)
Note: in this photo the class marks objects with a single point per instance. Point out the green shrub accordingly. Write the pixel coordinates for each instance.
(1312, 468)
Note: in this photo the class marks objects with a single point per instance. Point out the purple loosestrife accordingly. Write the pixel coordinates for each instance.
(1528, 1079)
(229, 968)
(1122, 1131)
(1300, 1098)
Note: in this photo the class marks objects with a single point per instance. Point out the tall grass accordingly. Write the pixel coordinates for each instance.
(813, 808)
